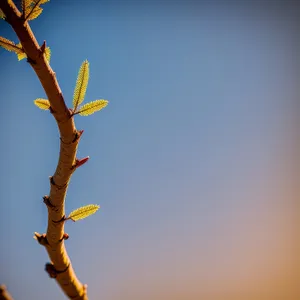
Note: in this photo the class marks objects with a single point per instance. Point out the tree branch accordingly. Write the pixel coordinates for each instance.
(4, 294)
(60, 268)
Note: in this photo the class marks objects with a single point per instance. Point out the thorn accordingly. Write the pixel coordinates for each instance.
(43, 47)
(77, 135)
(80, 162)
(41, 238)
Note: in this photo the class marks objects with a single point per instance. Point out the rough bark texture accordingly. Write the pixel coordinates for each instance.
(60, 268)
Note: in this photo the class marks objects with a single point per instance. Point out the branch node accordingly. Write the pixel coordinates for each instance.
(71, 112)
(31, 61)
(41, 238)
(50, 269)
(52, 182)
(48, 202)
(61, 220)
(52, 272)
(65, 237)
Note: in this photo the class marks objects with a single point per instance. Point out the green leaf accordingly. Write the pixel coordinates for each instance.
(91, 107)
(81, 84)
(48, 54)
(42, 103)
(10, 45)
(83, 212)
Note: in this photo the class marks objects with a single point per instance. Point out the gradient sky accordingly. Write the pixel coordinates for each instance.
(194, 161)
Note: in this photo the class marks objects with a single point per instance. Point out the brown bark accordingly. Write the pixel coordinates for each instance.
(60, 268)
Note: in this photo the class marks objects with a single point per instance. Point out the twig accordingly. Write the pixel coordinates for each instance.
(69, 139)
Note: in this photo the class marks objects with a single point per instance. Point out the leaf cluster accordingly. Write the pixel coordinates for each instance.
(30, 9)
(79, 94)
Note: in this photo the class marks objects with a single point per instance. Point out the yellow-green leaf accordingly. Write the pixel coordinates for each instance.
(91, 107)
(42, 103)
(81, 84)
(10, 45)
(2, 15)
(34, 13)
(21, 55)
(83, 212)
(25, 5)
(48, 54)
(32, 8)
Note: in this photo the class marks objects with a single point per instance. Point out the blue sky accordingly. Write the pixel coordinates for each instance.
(193, 161)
